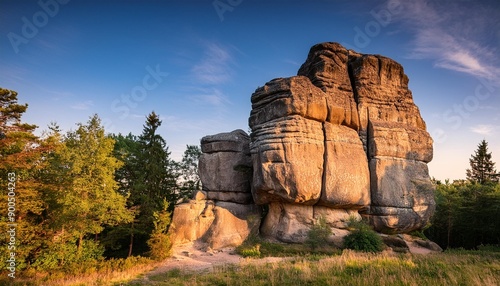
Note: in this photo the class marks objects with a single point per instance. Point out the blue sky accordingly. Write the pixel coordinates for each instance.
(196, 63)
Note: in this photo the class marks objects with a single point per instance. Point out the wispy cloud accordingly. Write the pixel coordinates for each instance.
(443, 33)
(291, 62)
(84, 105)
(210, 96)
(483, 129)
(215, 65)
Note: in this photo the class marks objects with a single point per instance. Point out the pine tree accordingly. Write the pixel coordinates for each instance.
(155, 170)
(149, 177)
(482, 169)
(20, 161)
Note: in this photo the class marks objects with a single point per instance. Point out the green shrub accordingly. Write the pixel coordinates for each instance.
(363, 238)
(159, 243)
(251, 252)
(57, 254)
(318, 234)
(160, 246)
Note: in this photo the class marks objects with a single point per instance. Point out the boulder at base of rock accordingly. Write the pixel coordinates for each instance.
(191, 221)
(219, 224)
(233, 224)
(291, 223)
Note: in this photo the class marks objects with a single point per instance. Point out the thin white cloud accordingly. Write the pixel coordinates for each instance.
(443, 33)
(292, 62)
(215, 65)
(483, 129)
(84, 105)
(212, 96)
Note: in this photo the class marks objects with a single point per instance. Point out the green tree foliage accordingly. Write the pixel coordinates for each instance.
(155, 173)
(189, 180)
(149, 177)
(467, 212)
(159, 241)
(88, 199)
(363, 238)
(318, 234)
(79, 193)
(482, 169)
(119, 240)
(11, 112)
(467, 215)
(20, 161)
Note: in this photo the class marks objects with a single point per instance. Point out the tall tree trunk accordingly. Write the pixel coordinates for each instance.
(79, 249)
(130, 245)
(449, 232)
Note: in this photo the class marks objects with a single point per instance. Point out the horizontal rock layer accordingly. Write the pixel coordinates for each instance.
(343, 134)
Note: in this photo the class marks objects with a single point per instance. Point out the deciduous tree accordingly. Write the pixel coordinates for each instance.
(89, 200)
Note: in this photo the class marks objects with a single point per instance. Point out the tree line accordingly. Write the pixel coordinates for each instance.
(85, 194)
(468, 211)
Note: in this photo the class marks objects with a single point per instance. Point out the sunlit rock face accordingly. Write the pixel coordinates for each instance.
(344, 134)
(342, 139)
(223, 214)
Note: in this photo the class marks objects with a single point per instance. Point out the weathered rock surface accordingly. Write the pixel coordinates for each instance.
(218, 224)
(341, 139)
(223, 213)
(343, 134)
(291, 222)
(233, 224)
(346, 178)
(288, 161)
(191, 221)
(225, 165)
(327, 68)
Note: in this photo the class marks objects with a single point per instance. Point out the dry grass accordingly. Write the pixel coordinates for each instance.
(458, 267)
(351, 268)
(103, 274)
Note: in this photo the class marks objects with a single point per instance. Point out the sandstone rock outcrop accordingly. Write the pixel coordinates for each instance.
(343, 139)
(225, 167)
(223, 213)
(343, 134)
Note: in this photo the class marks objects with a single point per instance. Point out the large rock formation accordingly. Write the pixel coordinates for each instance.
(341, 139)
(343, 134)
(223, 213)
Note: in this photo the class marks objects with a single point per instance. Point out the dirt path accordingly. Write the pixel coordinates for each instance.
(192, 257)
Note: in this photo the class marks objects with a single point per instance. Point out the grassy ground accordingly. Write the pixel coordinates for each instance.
(350, 268)
(323, 266)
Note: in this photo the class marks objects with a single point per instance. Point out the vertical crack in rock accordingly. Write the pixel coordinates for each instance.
(325, 162)
(379, 60)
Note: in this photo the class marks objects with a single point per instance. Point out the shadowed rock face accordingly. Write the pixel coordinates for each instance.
(343, 134)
